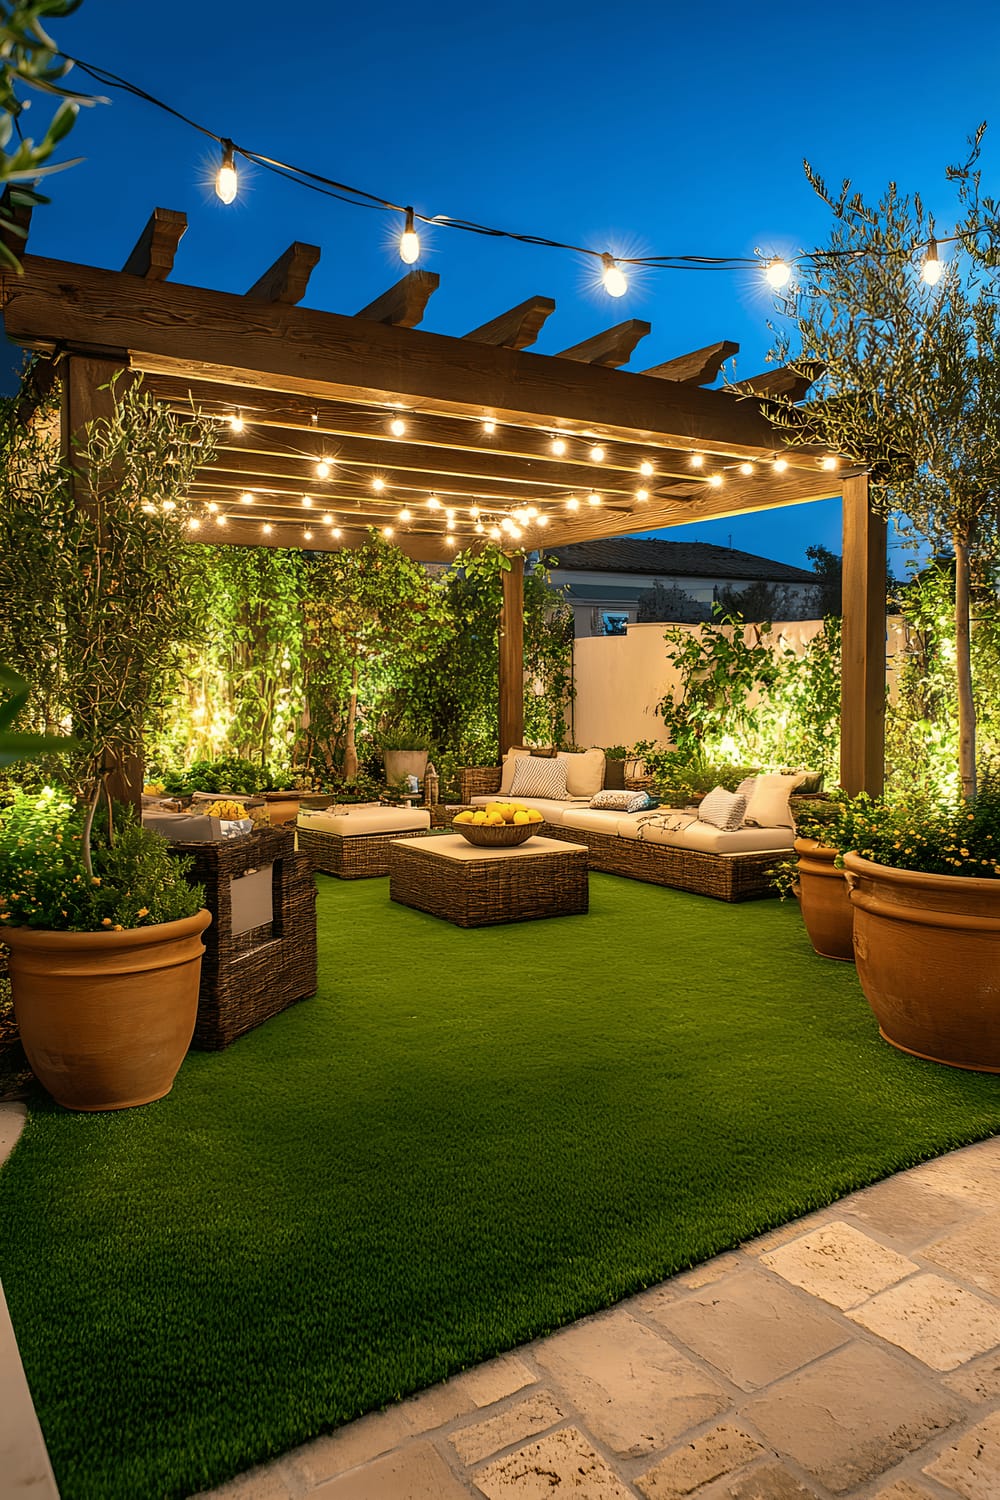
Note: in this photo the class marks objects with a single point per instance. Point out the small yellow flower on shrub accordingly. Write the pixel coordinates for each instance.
(143, 911)
(105, 921)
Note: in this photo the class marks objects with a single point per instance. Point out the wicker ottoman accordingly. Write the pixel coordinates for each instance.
(353, 843)
(475, 887)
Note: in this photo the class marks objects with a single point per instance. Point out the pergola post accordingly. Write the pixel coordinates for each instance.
(87, 395)
(512, 655)
(862, 689)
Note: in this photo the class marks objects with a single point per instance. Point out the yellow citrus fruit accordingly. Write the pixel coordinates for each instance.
(479, 818)
(521, 816)
(534, 816)
(463, 817)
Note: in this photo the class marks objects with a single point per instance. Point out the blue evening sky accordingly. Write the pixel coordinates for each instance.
(647, 128)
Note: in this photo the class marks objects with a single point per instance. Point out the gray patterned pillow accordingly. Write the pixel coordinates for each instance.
(626, 802)
(723, 809)
(534, 777)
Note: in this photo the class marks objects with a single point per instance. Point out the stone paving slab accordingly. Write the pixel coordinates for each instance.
(933, 1319)
(564, 1462)
(973, 1252)
(971, 1466)
(722, 1450)
(840, 1264)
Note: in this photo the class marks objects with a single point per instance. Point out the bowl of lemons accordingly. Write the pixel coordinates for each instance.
(498, 825)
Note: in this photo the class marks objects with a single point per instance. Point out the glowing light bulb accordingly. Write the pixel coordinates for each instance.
(323, 469)
(507, 524)
(193, 523)
(489, 426)
(480, 527)
(515, 533)
(933, 266)
(829, 462)
(170, 505)
(646, 469)
(746, 468)
(642, 494)
(212, 507)
(715, 480)
(221, 520)
(474, 512)
(397, 427)
(433, 503)
(387, 532)
(572, 503)
(593, 499)
(543, 520)
(405, 515)
(409, 241)
(558, 446)
(495, 533)
(452, 541)
(697, 460)
(308, 536)
(226, 178)
(531, 511)
(378, 485)
(780, 465)
(521, 517)
(267, 528)
(237, 423)
(246, 498)
(327, 519)
(449, 515)
(336, 531)
(597, 453)
(777, 273)
(614, 278)
(307, 501)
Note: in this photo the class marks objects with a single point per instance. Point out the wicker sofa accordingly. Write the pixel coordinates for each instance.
(666, 847)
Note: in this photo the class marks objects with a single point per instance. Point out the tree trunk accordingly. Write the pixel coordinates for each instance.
(350, 746)
(963, 672)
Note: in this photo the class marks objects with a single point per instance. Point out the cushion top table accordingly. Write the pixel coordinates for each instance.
(475, 887)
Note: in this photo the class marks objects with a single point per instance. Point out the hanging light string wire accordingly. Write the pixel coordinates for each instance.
(361, 198)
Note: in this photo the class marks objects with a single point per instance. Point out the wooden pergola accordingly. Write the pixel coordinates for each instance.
(330, 424)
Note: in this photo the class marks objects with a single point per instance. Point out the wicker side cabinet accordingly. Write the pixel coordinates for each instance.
(252, 969)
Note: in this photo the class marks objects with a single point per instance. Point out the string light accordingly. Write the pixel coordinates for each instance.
(543, 520)
(451, 540)
(480, 527)
(308, 536)
(221, 520)
(378, 485)
(323, 469)
(226, 178)
(336, 532)
(212, 507)
(558, 446)
(397, 427)
(597, 453)
(593, 499)
(404, 516)
(433, 503)
(246, 498)
(697, 460)
(267, 528)
(614, 278)
(777, 273)
(646, 469)
(387, 532)
(933, 266)
(642, 494)
(193, 523)
(474, 512)
(409, 241)
(715, 480)
(237, 423)
(572, 503)
(328, 519)
(780, 465)
(495, 533)
(829, 462)
(746, 468)
(307, 501)
(489, 426)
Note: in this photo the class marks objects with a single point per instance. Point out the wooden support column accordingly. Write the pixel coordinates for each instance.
(862, 687)
(86, 396)
(512, 656)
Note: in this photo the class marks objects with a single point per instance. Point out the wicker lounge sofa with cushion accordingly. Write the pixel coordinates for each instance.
(677, 848)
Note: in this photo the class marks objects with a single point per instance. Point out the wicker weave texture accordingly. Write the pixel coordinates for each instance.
(726, 877)
(479, 781)
(356, 857)
(248, 977)
(484, 893)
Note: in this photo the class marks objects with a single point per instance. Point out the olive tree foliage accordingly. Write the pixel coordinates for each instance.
(30, 61)
(911, 389)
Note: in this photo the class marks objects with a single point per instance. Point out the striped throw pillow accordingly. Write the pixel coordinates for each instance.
(723, 809)
(534, 777)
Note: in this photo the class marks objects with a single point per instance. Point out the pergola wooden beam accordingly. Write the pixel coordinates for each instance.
(700, 367)
(611, 348)
(152, 255)
(511, 664)
(190, 333)
(287, 279)
(862, 670)
(404, 304)
(518, 327)
(782, 381)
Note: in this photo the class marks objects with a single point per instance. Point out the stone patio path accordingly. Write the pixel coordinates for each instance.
(854, 1353)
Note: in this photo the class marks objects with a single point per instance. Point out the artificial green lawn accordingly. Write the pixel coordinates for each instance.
(465, 1140)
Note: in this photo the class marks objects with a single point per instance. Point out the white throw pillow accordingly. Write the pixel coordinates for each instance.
(723, 809)
(535, 777)
(768, 804)
(507, 774)
(584, 771)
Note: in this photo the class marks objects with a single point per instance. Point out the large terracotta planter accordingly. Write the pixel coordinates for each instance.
(824, 901)
(927, 948)
(106, 1017)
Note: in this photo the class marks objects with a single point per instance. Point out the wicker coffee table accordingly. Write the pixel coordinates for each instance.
(473, 887)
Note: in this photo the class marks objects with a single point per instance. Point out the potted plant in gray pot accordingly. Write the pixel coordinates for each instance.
(405, 753)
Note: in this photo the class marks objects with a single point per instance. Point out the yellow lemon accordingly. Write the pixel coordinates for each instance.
(479, 818)
(463, 817)
(534, 816)
(494, 807)
(497, 821)
(521, 816)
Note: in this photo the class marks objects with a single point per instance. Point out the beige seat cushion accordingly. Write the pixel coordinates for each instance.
(350, 822)
(584, 771)
(592, 819)
(767, 805)
(685, 832)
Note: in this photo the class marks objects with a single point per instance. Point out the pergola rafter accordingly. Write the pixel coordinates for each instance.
(480, 419)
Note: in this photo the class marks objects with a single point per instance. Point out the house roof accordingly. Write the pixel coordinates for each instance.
(673, 559)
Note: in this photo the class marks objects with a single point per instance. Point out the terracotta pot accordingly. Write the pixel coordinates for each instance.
(282, 807)
(402, 763)
(824, 901)
(927, 949)
(106, 1017)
